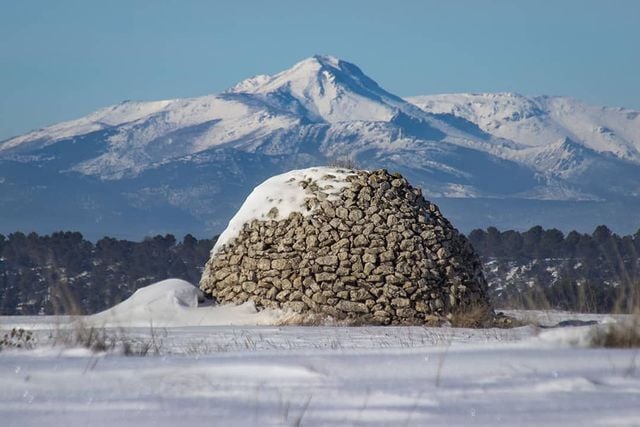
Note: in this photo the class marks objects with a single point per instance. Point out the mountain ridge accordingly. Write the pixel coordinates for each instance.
(200, 156)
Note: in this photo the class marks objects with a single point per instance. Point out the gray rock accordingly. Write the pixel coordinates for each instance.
(370, 258)
(280, 264)
(360, 241)
(401, 302)
(355, 215)
(264, 264)
(359, 295)
(325, 277)
(387, 256)
(352, 307)
(249, 286)
(342, 213)
(327, 260)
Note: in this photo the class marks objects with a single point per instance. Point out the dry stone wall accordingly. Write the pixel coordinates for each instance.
(377, 253)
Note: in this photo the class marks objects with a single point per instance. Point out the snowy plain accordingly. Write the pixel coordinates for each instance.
(232, 366)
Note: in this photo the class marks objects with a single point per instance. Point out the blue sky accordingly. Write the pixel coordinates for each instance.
(63, 59)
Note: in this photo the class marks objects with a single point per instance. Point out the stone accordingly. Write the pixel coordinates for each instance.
(384, 269)
(401, 302)
(359, 295)
(340, 244)
(264, 264)
(352, 307)
(235, 259)
(249, 286)
(343, 295)
(405, 313)
(370, 258)
(280, 264)
(295, 306)
(282, 295)
(421, 307)
(221, 274)
(368, 268)
(327, 260)
(355, 215)
(343, 271)
(342, 212)
(295, 296)
(360, 241)
(325, 277)
(387, 256)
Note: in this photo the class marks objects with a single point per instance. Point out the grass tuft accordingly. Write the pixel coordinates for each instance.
(100, 340)
(344, 162)
(18, 338)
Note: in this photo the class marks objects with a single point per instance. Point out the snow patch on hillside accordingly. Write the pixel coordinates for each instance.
(104, 118)
(542, 120)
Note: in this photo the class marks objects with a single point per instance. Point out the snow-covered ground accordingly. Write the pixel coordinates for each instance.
(244, 374)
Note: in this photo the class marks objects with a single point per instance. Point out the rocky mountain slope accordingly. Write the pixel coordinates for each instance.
(186, 165)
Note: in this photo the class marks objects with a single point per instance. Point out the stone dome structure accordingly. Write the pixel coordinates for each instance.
(358, 246)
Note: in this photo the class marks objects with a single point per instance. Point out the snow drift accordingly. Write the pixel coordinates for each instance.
(174, 302)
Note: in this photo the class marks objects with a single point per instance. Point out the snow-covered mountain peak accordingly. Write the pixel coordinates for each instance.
(308, 72)
(330, 89)
(316, 61)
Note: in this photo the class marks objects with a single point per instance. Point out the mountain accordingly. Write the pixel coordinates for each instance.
(569, 143)
(541, 120)
(185, 165)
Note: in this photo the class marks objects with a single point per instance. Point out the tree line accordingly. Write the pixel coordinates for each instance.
(63, 273)
(538, 243)
(544, 268)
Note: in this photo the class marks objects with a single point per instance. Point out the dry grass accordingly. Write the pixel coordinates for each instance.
(481, 316)
(343, 162)
(100, 340)
(472, 317)
(625, 334)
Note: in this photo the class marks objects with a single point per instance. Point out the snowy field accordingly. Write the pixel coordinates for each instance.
(231, 366)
